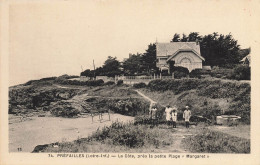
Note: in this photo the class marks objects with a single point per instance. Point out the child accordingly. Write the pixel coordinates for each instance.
(168, 111)
(153, 113)
(186, 116)
(174, 116)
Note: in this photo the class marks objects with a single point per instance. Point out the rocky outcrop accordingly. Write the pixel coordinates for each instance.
(24, 99)
(69, 108)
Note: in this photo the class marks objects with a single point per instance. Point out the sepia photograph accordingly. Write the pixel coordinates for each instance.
(130, 77)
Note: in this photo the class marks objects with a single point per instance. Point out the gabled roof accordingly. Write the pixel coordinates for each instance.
(166, 49)
(244, 52)
(248, 57)
(180, 50)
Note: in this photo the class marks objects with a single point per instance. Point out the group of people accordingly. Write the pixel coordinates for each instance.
(171, 115)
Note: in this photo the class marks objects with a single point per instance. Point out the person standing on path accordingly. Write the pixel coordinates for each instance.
(154, 115)
(168, 111)
(174, 117)
(186, 116)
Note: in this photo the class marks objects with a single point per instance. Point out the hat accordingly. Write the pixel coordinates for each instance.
(187, 106)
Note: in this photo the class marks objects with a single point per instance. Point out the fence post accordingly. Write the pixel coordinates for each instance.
(109, 114)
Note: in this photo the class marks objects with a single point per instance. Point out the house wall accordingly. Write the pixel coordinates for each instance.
(161, 63)
(188, 60)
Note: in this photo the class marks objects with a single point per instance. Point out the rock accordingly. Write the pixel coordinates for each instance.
(68, 108)
(40, 148)
(22, 99)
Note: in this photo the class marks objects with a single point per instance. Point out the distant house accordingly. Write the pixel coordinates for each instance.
(245, 53)
(184, 54)
(84, 78)
(246, 60)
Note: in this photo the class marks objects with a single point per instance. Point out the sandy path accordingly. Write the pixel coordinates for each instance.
(45, 130)
(144, 96)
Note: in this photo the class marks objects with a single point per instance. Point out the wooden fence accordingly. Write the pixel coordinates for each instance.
(139, 79)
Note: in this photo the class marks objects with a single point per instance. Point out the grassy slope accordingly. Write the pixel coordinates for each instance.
(132, 138)
(119, 138)
(205, 97)
(209, 141)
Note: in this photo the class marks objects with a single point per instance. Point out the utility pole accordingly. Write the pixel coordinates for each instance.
(94, 70)
(81, 68)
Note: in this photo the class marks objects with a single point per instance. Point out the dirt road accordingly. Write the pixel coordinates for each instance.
(44, 130)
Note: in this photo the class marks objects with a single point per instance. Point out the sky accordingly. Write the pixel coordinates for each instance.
(55, 38)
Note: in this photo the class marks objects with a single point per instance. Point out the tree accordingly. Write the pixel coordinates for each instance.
(217, 49)
(194, 36)
(149, 58)
(220, 50)
(133, 65)
(176, 38)
(87, 73)
(111, 67)
(184, 38)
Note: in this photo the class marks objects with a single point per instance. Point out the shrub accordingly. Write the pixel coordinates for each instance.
(177, 86)
(65, 76)
(220, 72)
(81, 83)
(238, 93)
(120, 82)
(30, 82)
(118, 137)
(130, 106)
(139, 85)
(180, 72)
(95, 82)
(48, 78)
(241, 72)
(42, 82)
(198, 73)
(65, 112)
(109, 83)
(132, 136)
(216, 142)
(181, 69)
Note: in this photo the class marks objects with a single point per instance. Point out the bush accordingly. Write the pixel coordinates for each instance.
(216, 142)
(65, 112)
(177, 86)
(42, 82)
(139, 85)
(238, 93)
(132, 136)
(95, 82)
(220, 72)
(180, 72)
(48, 78)
(120, 82)
(65, 76)
(81, 83)
(130, 106)
(241, 72)
(109, 83)
(198, 73)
